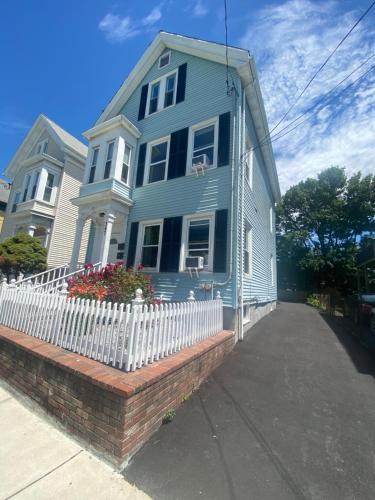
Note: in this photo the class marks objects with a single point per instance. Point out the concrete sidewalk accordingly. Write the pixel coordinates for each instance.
(37, 461)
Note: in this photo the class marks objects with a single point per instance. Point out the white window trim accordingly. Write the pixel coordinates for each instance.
(167, 52)
(162, 81)
(91, 157)
(192, 130)
(185, 238)
(248, 229)
(271, 219)
(148, 159)
(141, 233)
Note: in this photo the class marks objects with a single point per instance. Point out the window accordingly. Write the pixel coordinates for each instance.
(108, 162)
(248, 250)
(204, 142)
(149, 254)
(169, 90)
(94, 161)
(272, 271)
(42, 147)
(27, 185)
(164, 59)
(35, 185)
(154, 98)
(48, 189)
(158, 155)
(16, 200)
(246, 313)
(198, 239)
(126, 164)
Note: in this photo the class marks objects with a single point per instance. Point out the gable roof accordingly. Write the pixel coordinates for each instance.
(66, 141)
(238, 58)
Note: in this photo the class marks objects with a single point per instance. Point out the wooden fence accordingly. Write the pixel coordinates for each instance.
(125, 336)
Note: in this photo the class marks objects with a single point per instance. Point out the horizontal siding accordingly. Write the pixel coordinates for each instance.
(257, 203)
(206, 97)
(62, 238)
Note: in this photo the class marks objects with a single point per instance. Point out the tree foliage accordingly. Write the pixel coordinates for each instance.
(320, 226)
(22, 253)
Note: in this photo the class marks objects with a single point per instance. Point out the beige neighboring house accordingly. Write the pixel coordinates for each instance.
(46, 173)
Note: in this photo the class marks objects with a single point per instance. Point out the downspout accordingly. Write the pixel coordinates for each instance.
(241, 252)
(233, 161)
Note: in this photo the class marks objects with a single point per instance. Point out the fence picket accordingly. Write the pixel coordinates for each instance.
(125, 336)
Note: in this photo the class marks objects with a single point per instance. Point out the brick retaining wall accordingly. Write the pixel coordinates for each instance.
(115, 412)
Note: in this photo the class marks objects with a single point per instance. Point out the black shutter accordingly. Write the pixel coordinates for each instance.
(170, 249)
(181, 83)
(178, 153)
(220, 247)
(143, 102)
(132, 243)
(141, 164)
(224, 140)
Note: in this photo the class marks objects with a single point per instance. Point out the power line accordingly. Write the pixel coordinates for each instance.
(276, 137)
(320, 100)
(320, 69)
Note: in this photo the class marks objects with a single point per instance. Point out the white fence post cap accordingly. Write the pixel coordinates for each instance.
(4, 282)
(138, 298)
(12, 283)
(218, 295)
(64, 288)
(191, 297)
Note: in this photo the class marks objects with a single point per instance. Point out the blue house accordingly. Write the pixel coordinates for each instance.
(180, 179)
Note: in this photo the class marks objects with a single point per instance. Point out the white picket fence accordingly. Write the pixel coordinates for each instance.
(124, 336)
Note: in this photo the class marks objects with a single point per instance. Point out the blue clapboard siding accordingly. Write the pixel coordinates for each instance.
(205, 97)
(257, 203)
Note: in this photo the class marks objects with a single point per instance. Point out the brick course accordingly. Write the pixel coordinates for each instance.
(115, 412)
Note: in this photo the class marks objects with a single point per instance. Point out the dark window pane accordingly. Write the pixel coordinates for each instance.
(199, 232)
(204, 137)
(153, 106)
(92, 175)
(168, 101)
(159, 152)
(149, 256)
(107, 169)
(124, 173)
(151, 236)
(157, 172)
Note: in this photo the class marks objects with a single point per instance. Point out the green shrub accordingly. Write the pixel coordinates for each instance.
(314, 300)
(22, 254)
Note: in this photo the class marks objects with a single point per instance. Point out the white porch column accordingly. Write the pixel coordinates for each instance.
(108, 224)
(47, 237)
(31, 230)
(80, 224)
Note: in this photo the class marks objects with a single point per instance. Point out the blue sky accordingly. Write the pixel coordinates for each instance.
(67, 59)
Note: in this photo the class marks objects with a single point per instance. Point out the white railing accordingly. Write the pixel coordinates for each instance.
(52, 280)
(124, 336)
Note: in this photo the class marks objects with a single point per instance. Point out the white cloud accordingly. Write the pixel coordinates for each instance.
(300, 35)
(118, 29)
(199, 9)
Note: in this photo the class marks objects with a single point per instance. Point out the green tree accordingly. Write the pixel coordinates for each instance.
(321, 222)
(22, 253)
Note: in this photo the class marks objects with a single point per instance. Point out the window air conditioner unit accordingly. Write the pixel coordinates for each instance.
(195, 263)
(200, 163)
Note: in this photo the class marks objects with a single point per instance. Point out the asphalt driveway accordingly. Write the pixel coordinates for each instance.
(290, 414)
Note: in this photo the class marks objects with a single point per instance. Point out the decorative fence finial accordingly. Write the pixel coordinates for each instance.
(218, 295)
(191, 297)
(138, 301)
(12, 283)
(20, 276)
(4, 282)
(64, 289)
(29, 284)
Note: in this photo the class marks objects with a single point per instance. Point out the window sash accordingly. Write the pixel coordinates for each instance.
(48, 188)
(150, 249)
(209, 147)
(203, 248)
(169, 91)
(35, 185)
(159, 165)
(16, 201)
(154, 98)
(94, 161)
(27, 185)
(126, 164)
(108, 163)
(164, 59)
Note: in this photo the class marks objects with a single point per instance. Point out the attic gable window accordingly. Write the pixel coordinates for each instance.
(162, 93)
(42, 147)
(164, 59)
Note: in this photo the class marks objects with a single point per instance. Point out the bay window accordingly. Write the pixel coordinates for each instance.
(108, 163)
(35, 185)
(27, 185)
(48, 188)
(126, 164)
(94, 162)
